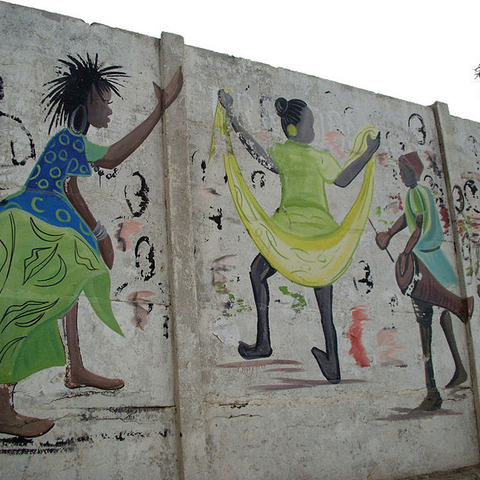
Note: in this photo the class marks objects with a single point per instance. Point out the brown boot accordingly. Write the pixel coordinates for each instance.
(13, 423)
(77, 375)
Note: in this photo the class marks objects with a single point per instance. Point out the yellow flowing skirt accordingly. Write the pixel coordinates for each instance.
(313, 262)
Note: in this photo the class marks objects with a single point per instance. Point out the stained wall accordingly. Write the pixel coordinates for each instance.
(192, 407)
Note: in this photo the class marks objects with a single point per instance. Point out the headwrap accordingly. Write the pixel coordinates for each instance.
(412, 160)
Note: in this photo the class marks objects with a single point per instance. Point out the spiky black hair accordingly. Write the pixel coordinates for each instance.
(71, 88)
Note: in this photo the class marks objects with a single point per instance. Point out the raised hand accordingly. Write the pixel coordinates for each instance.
(373, 144)
(225, 100)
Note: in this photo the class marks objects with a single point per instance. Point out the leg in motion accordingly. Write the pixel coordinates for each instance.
(460, 374)
(424, 313)
(13, 423)
(260, 271)
(328, 360)
(77, 375)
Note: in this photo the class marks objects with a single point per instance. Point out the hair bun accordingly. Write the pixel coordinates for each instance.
(281, 105)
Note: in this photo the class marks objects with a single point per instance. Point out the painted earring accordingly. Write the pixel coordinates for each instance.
(77, 122)
(292, 130)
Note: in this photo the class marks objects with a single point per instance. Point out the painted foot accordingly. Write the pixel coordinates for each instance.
(329, 366)
(460, 376)
(85, 378)
(13, 423)
(432, 402)
(173, 89)
(250, 352)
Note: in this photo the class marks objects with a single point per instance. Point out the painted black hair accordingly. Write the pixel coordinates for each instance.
(290, 111)
(71, 89)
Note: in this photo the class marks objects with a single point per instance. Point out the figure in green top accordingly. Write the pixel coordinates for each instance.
(424, 273)
(303, 214)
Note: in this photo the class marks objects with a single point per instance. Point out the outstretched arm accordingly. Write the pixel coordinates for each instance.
(250, 144)
(122, 149)
(350, 172)
(383, 238)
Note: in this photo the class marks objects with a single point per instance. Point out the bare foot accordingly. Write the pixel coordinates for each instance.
(253, 351)
(85, 378)
(13, 423)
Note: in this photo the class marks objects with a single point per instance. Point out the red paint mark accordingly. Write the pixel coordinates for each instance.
(398, 198)
(386, 339)
(137, 299)
(444, 219)
(123, 234)
(383, 159)
(354, 334)
(331, 140)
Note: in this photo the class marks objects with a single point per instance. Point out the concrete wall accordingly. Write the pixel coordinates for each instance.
(192, 407)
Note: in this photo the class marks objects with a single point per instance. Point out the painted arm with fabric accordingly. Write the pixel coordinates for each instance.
(122, 149)
(354, 168)
(250, 144)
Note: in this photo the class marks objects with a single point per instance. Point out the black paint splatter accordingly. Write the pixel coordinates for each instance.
(217, 218)
(393, 302)
(165, 325)
(120, 288)
(367, 279)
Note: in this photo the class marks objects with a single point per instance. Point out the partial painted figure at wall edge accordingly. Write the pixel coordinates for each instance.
(424, 273)
(52, 248)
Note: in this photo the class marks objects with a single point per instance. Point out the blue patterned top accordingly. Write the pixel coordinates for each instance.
(66, 155)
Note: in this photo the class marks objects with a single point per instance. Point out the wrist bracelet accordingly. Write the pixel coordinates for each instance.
(100, 232)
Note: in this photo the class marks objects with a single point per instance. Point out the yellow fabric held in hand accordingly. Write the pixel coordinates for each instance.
(317, 261)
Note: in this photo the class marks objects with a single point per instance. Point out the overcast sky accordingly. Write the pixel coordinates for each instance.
(421, 51)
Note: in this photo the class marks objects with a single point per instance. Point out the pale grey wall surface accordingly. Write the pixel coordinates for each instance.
(192, 407)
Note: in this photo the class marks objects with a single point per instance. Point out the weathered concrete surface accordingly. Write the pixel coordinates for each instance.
(192, 407)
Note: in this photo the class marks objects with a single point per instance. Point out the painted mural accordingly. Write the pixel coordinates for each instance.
(52, 248)
(301, 240)
(305, 244)
(424, 273)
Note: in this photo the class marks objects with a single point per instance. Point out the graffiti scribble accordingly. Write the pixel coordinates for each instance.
(141, 193)
(262, 178)
(149, 272)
